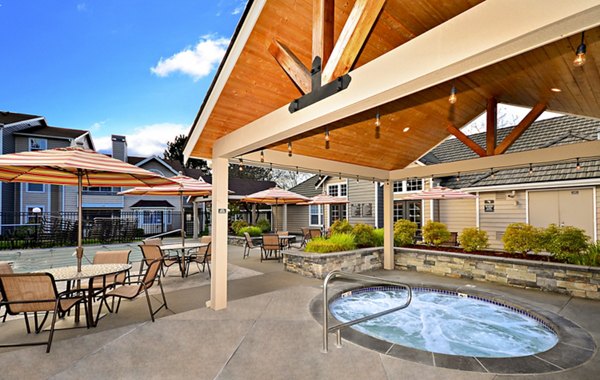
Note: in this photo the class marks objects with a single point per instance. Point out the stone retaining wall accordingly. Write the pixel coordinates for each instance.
(319, 264)
(574, 280)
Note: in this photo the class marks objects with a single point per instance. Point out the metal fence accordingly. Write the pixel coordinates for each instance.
(33, 230)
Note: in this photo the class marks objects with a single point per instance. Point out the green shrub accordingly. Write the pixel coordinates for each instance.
(473, 239)
(341, 226)
(522, 238)
(336, 243)
(565, 242)
(363, 235)
(435, 233)
(264, 225)
(404, 232)
(251, 230)
(589, 257)
(378, 237)
(237, 225)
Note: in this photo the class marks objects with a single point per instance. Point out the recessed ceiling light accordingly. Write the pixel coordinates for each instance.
(406, 129)
(555, 89)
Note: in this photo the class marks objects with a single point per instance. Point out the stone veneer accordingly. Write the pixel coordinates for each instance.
(575, 280)
(319, 264)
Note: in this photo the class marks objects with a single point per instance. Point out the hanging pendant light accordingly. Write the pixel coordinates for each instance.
(262, 156)
(377, 119)
(530, 169)
(578, 165)
(452, 99)
(580, 53)
(289, 149)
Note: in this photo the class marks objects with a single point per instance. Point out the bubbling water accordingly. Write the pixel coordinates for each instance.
(446, 323)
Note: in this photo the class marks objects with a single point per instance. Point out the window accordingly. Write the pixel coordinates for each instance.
(337, 212)
(409, 210)
(35, 188)
(101, 190)
(414, 184)
(338, 190)
(315, 215)
(398, 186)
(152, 217)
(37, 144)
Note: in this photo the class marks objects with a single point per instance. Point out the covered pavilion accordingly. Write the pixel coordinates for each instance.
(361, 89)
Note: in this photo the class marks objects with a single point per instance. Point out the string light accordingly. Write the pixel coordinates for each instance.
(262, 156)
(340, 175)
(578, 167)
(377, 119)
(289, 149)
(320, 176)
(530, 169)
(493, 174)
(357, 179)
(296, 170)
(580, 53)
(373, 179)
(326, 138)
(241, 165)
(458, 177)
(271, 167)
(452, 99)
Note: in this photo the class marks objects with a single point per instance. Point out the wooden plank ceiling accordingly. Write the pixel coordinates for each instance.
(409, 126)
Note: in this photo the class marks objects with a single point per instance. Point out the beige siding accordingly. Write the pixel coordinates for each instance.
(507, 210)
(457, 214)
(34, 199)
(297, 218)
(362, 197)
(154, 165)
(105, 201)
(597, 213)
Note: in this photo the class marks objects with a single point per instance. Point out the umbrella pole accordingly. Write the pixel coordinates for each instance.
(79, 249)
(182, 218)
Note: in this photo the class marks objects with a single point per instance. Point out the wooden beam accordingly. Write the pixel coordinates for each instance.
(322, 33)
(288, 61)
(352, 38)
(520, 128)
(491, 126)
(466, 140)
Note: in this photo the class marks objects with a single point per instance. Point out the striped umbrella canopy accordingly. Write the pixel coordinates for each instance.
(326, 199)
(440, 192)
(275, 196)
(74, 166)
(185, 185)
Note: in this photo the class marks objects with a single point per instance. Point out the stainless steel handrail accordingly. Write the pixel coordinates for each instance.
(352, 276)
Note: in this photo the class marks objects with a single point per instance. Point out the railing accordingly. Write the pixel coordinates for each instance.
(351, 276)
(21, 230)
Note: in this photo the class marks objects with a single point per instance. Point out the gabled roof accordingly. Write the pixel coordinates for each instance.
(244, 186)
(310, 187)
(56, 132)
(8, 118)
(541, 134)
(159, 160)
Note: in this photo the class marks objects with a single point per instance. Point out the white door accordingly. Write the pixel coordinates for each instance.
(573, 207)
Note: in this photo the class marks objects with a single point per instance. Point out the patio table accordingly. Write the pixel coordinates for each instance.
(181, 250)
(88, 272)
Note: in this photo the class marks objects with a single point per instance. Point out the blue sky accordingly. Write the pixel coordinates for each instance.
(140, 68)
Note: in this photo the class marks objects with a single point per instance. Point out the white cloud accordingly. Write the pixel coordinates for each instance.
(146, 140)
(81, 7)
(240, 7)
(97, 126)
(196, 62)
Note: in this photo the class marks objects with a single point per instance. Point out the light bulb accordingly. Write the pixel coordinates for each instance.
(452, 98)
(580, 53)
(290, 149)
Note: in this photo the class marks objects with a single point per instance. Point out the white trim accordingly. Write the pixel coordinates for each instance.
(321, 182)
(376, 187)
(595, 205)
(536, 185)
(321, 209)
(477, 216)
(44, 138)
(526, 206)
(236, 50)
(34, 192)
(160, 160)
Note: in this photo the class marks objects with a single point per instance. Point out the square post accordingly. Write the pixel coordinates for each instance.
(388, 226)
(218, 281)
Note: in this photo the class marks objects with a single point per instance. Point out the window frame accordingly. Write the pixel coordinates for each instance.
(318, 214)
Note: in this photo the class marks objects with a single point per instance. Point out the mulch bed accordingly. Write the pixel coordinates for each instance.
(530, 256)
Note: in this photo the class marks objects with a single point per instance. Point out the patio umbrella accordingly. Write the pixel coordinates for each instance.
(184, 186)
(74, 166)
(275, 196)
(440, 192)
(325, 199)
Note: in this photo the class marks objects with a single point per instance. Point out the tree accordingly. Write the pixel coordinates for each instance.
(174, 152)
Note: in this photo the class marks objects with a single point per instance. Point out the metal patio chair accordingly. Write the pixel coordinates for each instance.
(201, 256)
(249, 245)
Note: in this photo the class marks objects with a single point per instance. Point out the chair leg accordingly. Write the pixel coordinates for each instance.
(149, 304)
(27, 323)
(51, 335)
(162, 293)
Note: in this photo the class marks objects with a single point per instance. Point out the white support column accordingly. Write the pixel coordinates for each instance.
(218, 283)
(388, 226)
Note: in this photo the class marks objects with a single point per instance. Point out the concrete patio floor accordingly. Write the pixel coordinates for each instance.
(267, 331)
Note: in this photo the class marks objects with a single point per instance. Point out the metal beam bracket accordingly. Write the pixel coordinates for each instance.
(319, 92)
